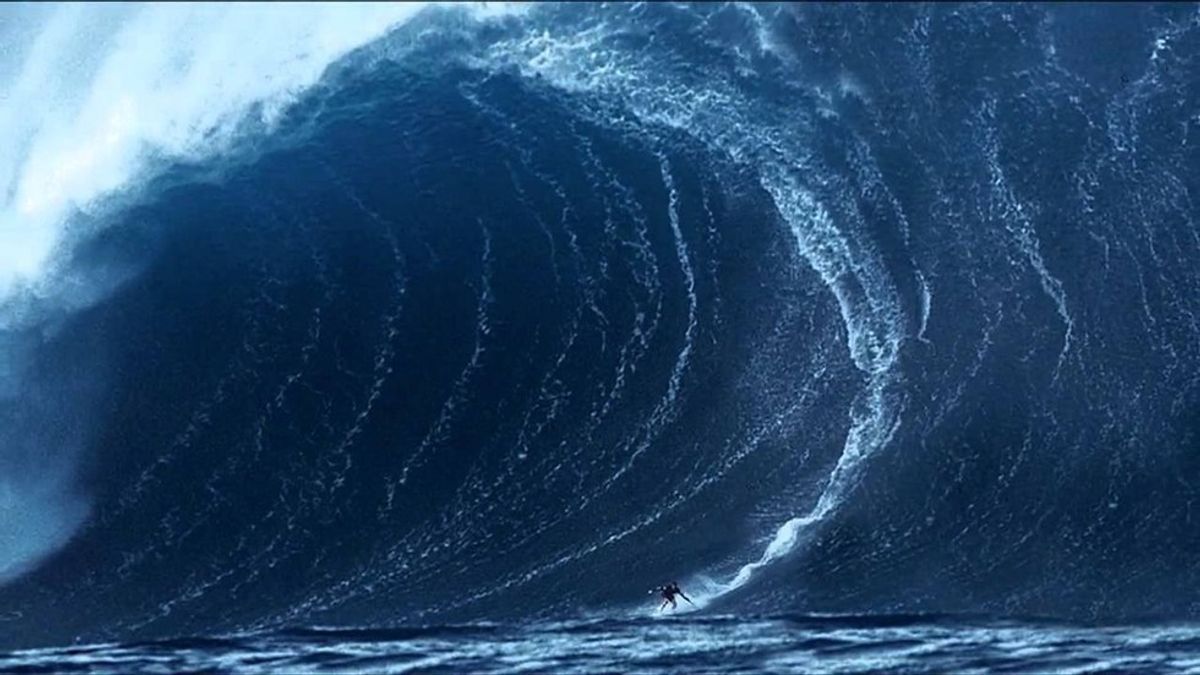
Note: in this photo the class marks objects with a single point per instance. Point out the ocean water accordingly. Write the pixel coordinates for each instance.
(387, 337)
(715, 644)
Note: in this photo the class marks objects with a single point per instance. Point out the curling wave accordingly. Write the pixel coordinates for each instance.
(409, 314)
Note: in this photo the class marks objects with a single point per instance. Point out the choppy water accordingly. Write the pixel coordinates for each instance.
(800, 644)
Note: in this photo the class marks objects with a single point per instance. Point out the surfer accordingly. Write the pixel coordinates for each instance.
(668, 594)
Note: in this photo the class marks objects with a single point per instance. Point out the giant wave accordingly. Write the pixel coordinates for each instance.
(397, 314)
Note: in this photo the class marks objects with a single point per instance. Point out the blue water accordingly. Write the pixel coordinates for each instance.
(453, 331)
(717, 644)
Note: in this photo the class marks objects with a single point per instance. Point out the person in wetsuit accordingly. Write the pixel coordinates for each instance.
(668, 594)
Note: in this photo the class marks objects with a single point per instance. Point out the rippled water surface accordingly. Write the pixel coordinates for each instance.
(802, 644)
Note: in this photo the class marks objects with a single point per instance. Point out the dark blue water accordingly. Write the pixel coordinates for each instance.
(854, 310)
(717, 644)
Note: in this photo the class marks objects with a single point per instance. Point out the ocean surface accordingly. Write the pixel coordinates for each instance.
(715, 644)
(403, 337)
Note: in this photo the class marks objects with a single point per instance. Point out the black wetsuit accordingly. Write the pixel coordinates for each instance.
(669, 592)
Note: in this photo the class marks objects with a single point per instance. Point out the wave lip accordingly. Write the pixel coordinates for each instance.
(102, 92)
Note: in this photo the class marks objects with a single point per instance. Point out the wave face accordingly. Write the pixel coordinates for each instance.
(815, 308)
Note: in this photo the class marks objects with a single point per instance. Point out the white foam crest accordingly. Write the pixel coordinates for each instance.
(102, 89)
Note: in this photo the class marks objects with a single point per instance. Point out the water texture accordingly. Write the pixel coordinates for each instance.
(490, 318)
